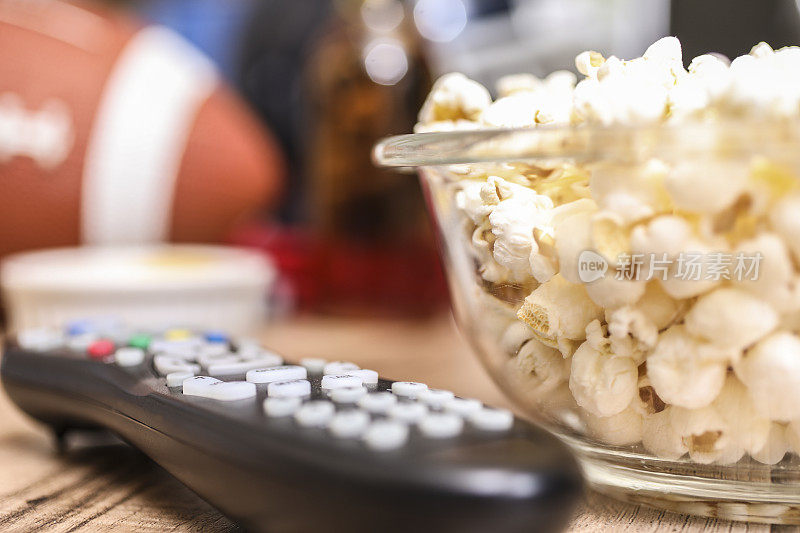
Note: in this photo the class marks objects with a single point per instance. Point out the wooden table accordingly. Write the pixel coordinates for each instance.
(106, 486)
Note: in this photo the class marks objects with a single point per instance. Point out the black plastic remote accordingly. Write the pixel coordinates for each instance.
(309, 447)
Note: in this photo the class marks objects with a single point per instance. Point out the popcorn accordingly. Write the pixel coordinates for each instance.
(771, 372)
(603, 385)
(516, 83)
(785, 221)
(705, 186)
(730, 318)
(775, 448)
(558, 309)
(631, 192)
(453, 98)
(644, 353)
(617, 430)
(660, 438)
(543, 367)
(776, 282)
(685, 371)
(706, 435)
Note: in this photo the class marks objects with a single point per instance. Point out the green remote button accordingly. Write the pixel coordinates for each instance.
(140, 341)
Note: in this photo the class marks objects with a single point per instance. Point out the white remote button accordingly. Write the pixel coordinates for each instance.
(314, 414)
(408, 389)
(296, 388)
(385, 435)
(129, 356)
(435, 398)
(492, 419)
(39, 339)
(339, 367)
(260, 355)
(368, 377)
(176, 379)
(166, 364)
(186, 349)
(280, 407)
(249, 349)
(240, 367)
(441, 425)
(408, 412)
(378, 402)
(213, 349)
(347, 394)
(276, 373)
(330, 382)
(314, 365)
(227, 391)
(348, 424)
(80, 343)
(462, 406)
(222, 359)
(197, 385)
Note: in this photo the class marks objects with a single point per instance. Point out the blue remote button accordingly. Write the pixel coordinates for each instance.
(216, 336)
(79, 327)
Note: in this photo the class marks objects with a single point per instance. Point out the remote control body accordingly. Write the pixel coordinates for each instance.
(281, 447)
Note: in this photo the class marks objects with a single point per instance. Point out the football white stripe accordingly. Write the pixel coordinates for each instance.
(138, 138)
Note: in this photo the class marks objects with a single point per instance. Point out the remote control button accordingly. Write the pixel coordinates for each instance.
(216, 337)
(347, 394)
(408, 412)
(81, 343)
(314, 365)
(214, 349)
(384, 435)
(197, 385)
(178, 334)
(39, 339)
(228, 391)
(176, 379)
(140, 340)
(240, 367)
(330, 381)
(348, 424)
(187, 349)
(100, 349)
(368, 377)
(220, 359)
(260, 354)
(408, 389)
(462, 406)
(166, 364)
(339, 367)
(296, 388)
(276, 373)
(441, 425)
(129, 356)
(435, 398)
(280, 407)
(378, 402)
(489, 419)
(249, 348)
(79, 327)
(314, 414)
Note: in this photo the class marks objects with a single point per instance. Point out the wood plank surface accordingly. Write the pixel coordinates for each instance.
(99, 484)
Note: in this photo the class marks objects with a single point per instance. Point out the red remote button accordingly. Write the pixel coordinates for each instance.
(100, 349)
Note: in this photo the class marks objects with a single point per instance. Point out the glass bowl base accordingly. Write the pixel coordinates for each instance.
(750, 492)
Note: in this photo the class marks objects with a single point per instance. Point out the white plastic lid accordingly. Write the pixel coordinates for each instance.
(162, 268)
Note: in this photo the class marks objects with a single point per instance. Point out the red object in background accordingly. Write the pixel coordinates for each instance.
(114, 132)
(100, 349)
(346, 277)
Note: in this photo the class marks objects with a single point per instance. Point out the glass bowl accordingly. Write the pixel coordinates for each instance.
(636, 291)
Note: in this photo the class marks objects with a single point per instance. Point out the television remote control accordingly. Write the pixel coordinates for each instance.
(312, 446)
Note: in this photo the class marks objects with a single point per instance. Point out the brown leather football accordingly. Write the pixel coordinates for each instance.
(115, 132)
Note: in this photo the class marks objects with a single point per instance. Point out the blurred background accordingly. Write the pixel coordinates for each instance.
(301, 91)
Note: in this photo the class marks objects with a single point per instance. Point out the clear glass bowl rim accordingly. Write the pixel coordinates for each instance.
(731, 138)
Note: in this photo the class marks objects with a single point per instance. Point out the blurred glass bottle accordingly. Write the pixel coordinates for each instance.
(366, 79)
